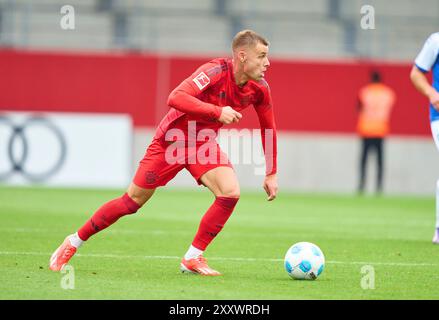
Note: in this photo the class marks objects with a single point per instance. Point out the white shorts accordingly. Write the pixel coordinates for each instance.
(435, 132)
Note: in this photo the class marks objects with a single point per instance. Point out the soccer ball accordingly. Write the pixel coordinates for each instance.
(304, 261)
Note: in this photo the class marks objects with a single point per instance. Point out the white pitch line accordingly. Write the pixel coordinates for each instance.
(144, 232)
(116, 256)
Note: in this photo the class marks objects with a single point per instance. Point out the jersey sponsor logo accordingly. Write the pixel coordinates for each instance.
(201, 80)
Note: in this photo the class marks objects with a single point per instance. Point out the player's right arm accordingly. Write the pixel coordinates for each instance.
(423, 63)
(185, 97)
(421, 83)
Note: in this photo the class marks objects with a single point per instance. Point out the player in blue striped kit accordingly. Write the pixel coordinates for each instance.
(426, 61)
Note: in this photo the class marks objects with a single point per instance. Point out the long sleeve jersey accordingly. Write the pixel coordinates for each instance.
(201, 96)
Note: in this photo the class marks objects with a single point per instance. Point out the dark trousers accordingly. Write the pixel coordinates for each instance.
(369, 145)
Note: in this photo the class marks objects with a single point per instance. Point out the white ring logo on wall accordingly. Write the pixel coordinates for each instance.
(20, 133)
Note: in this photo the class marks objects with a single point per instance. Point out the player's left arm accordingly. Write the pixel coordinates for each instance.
(265, 113)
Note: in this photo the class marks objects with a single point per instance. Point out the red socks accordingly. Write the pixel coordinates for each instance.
(213, 221)
(108, 214)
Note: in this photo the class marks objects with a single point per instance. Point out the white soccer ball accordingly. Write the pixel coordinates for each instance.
(304, 261)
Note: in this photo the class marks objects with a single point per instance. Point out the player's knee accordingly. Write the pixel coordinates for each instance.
(138, 200)
(131, 204)
(231, 193)
(139, 195)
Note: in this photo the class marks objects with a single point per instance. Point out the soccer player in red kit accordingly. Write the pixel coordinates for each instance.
(212, 96)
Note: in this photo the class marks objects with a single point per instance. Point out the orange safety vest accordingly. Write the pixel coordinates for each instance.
(377, 101)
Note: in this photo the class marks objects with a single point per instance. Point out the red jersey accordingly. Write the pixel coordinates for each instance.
(201, 96)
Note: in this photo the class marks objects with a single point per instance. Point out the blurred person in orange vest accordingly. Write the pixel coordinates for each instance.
(376, 101)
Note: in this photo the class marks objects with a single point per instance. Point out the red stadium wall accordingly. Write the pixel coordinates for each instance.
(310, 96)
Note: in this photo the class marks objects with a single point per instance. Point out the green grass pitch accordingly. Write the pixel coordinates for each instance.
(138, 257)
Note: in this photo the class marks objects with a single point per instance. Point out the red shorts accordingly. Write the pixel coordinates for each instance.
(162, 162)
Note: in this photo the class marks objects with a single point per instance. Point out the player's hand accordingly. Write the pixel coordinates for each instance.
(270, 186)
(434, 99)
(228, 115)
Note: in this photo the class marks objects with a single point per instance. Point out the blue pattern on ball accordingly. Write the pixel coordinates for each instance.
(315, 251)
(320, 269)
(288, 267)
(296, 249)
(305, 266)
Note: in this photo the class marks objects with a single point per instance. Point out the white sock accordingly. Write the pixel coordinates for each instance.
(193, 253)
(75, 240)
(437, 204)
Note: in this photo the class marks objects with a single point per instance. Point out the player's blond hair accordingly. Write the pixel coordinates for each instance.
(248, 38)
